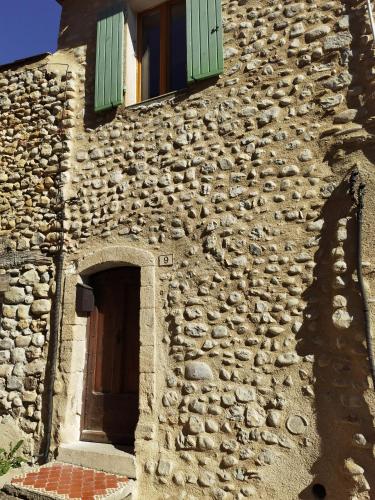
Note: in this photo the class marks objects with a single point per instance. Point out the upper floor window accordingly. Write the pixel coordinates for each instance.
(162, 50)
(167, 47)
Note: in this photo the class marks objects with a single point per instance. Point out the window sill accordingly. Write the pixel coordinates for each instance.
(148, 103)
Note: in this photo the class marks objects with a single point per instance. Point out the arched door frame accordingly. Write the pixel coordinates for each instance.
(73, 348)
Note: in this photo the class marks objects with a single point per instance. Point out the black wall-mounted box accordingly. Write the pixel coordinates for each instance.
(85, 299)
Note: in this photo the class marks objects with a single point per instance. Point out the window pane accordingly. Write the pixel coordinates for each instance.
(150, 55)
(177, 44)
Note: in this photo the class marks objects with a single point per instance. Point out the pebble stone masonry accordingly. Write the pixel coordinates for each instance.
(255, 383)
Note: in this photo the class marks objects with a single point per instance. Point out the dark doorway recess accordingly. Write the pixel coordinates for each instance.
(110, 406)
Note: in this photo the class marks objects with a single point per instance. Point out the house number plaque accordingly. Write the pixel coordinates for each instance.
(166, 260)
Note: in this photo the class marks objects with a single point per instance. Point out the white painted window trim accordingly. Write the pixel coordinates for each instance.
(131, 61)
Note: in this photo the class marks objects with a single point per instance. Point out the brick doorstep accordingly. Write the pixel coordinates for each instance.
(58, 481)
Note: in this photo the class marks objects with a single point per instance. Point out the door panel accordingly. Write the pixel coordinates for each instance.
(112, 377)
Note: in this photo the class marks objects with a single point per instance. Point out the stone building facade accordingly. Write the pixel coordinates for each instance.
(237, 201)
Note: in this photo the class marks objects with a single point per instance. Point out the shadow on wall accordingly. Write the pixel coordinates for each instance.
(344, 422)
(361, 60)
(341, 370)
(358, 61)
(78, 29)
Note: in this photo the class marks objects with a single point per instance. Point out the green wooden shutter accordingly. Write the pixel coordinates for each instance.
(204, 39)
(109, 83)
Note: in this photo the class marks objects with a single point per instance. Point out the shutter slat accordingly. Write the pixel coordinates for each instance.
(120, 75)
(195, 37)
(214, 46)
(112, 59)
(204, 39)
(108, 40)
(189, 41)
(99, 64)
(219, 37)
(109, 60)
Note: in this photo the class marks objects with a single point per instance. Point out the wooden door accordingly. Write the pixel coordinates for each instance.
(110, 410)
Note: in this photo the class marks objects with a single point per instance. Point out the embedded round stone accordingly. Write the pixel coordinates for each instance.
(30, 277)
(41, 290)
(296, 424)
(245, 394)
(339, 301)
(219, 332)
(242, 354)
(197, 370)
(228, 461)
(274, 330)
(41, 306)
(15, 295)
(195, 425)
(287, 359)
(206, 479)
(164, 468)
(255, 415)
(316, 33)
(196, 330)
(205, 442)
(341, 319)
(352, 468)
(240, 261)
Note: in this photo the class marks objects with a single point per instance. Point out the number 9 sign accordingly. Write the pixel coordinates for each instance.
(166, 260)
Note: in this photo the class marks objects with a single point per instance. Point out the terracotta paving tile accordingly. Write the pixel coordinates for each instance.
(70, 482)
(27, 482)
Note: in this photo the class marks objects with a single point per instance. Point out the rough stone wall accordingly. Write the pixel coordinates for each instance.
(236, 180)
(33, 149)
(262, 376)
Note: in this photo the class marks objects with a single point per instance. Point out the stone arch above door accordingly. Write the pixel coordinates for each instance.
(114, 256)
(69, 383)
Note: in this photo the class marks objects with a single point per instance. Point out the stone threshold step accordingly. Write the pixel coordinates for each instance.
(99, 456)
(59, 481)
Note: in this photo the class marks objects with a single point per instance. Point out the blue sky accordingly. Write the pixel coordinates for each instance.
(27, 28)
